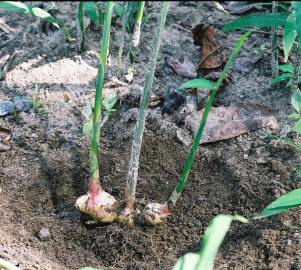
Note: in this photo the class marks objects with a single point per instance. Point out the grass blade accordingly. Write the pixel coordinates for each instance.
(258, 20)
(198, 83)
(80, 21)
(213, 238)
(284, 203)
(289, 36)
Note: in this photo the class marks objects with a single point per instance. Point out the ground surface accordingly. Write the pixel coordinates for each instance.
(46, 168)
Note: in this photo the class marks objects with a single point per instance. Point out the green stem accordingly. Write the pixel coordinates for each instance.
(137, 28)
(188, 163)
(7, 265)
(125, 15)
(297, 60)
(137, 141)
(80, 15)
(94, 168)
(274, 62)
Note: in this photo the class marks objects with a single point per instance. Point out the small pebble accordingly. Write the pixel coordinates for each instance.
(44, 234)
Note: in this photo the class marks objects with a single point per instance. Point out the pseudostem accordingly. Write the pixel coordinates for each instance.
(98, 203)
(139, 129)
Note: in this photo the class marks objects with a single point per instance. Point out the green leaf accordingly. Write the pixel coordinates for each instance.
(14, 6)
(282, 77)
(296, 100)
(298, 127)
(87, 127)
(90, 8)
(118, 10)
(298, 21)
(110, 102)
(87, 111)
(289, 35)
(284, 203)
(292, 144)
(146, 18)
(213, 238)
(45, 15)
(295, 116)
(258, 20)
(198, 83)
(286, 68)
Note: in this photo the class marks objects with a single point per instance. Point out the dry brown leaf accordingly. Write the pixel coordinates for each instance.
(228, 122)
(182, 66)
(213, 55)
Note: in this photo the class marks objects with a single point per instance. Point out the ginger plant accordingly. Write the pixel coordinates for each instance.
(139, 129)
(156, 213)
(98, 203)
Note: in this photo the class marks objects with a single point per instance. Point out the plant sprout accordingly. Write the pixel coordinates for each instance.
(274, 62)
(137, 141)
(137, 27)
(98, 203)
(213, 238)
(80, 19)
(156, 213)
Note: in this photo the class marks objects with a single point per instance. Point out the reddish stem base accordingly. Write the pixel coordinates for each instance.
(98, 204)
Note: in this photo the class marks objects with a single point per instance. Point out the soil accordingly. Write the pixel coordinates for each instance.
(47, 166)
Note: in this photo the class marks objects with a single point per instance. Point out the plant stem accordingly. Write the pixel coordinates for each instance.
(297, 60)
(137, 141)
(274, 62)
(80, 15)
(125, 15)
(7, 265)
(188, 163)
(137, 28)
(94, 168)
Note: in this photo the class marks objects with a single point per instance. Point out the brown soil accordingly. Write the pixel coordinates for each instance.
(47, 167)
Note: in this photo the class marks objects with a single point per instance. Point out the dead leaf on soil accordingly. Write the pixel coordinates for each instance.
(5, 136)
(236, 7)
(228, 122)
(213, 55)
(246, 64)
(182, 66)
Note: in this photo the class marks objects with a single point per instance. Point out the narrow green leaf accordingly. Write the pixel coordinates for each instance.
(87, 128)
(286, 68)
(45, 16)
(258, 20)
(295, 116)
(282, 77)
(146, 18)
(292, 144)
(296, 100)
(289, 35)
(14, 6)
(284, 203)
(198, 83)
(298, 127)
(213, 238)
(109, 102)
(90, 8)
(298, 21)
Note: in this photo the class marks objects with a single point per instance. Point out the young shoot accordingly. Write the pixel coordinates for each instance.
(135, 38)
(274, 63)
(155, 212)
(137, 141)
(125, 18)
(98, 203)
(80, 20)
